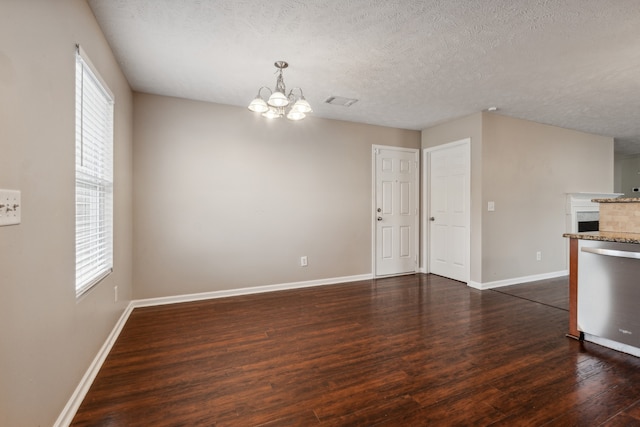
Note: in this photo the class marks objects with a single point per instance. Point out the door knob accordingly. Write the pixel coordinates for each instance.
(379, 209)
(432, 218)
(379, 218)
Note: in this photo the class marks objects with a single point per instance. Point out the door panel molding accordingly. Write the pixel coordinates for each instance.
(395, 246)
(459, 256)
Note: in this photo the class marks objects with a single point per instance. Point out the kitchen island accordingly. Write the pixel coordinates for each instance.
(604, 282)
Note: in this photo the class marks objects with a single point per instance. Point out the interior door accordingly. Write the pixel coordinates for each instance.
(396, 210)
(448, 172)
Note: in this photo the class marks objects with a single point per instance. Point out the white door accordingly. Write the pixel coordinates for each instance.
(448, 217)
(395, 210)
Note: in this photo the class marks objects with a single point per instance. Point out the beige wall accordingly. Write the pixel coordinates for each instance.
(628, 175)
(617, 173)
(48, 338)
(225, 199)
(526, 168)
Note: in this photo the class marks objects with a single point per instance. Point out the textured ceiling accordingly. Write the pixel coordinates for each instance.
(410, 63)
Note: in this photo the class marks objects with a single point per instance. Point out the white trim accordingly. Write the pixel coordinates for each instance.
(426, 196)
(416, 153)
(246, 291)
(625, 348)
(94, 70)
(517, 280)
(374, 151)
(424, 211)
(448, 145)
(70, 409)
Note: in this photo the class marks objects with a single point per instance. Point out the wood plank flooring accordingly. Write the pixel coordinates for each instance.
(406, 351)
(553, 292)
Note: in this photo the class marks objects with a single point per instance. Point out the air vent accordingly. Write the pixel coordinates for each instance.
(340, 100)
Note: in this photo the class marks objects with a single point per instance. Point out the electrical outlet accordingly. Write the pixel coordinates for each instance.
(10, 207)
(303, 261)
(538, 256)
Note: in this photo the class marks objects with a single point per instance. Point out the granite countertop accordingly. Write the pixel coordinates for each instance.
(618, 200)
(606, 236)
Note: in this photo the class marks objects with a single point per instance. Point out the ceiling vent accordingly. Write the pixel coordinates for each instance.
(340, 100)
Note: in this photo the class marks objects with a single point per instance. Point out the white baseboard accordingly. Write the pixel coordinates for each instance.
(612, 344)
(149, 302)
(517, 280)
(70, 409)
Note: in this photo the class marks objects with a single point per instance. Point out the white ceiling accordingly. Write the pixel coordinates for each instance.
(410, 63)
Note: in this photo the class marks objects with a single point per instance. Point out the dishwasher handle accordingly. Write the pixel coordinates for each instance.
(612, 252)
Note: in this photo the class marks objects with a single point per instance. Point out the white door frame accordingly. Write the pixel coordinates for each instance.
(374, 148)
(426, 196)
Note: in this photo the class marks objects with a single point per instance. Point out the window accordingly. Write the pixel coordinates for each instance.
(94, 176)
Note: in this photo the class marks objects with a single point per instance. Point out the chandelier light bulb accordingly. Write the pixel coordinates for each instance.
(295, 115)
(272, 113)
(302, 105)
(278, 99)
(258, 105)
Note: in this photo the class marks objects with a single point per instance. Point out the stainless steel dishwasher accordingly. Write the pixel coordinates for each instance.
(609, 291)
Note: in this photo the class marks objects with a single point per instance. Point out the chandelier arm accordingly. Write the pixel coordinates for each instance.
(300, 89)
(260, 91)
(293, 95)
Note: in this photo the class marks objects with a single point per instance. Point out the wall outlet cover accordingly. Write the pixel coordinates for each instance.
(10, 207)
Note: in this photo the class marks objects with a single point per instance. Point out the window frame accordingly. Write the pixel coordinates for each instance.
(94, 107)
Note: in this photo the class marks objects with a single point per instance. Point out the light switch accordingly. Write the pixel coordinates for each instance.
(10, 207)
(491, 206)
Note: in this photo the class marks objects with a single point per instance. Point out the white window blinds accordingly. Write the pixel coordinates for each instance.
(94, 176)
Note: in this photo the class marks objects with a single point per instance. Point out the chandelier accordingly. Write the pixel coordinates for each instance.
(293, 106)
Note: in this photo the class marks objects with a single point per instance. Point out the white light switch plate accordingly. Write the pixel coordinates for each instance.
(491, 206)
(10, 207)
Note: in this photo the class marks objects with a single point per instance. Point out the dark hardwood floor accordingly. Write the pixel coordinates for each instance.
(553, 292)
(405, 351)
